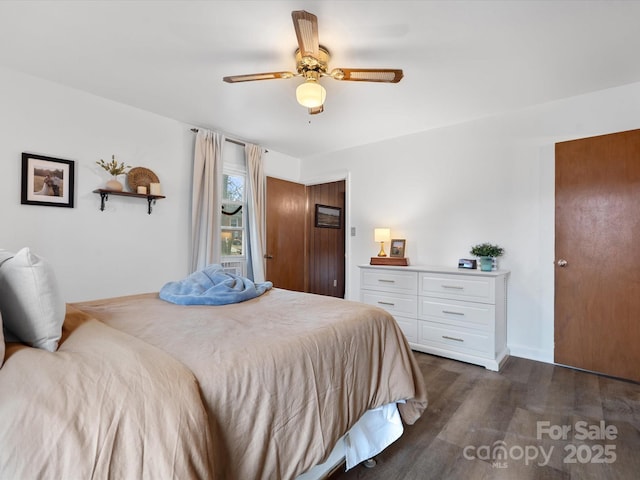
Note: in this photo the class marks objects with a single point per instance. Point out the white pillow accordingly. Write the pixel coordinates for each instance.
(32, 308)
(4, 255)
(1, 342)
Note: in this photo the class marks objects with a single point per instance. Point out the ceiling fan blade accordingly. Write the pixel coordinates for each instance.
(367, 74)
(257, 76)
(316, 110)
(306, 25)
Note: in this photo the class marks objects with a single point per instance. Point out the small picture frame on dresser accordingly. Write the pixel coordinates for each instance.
(397, 248)
(467, 263)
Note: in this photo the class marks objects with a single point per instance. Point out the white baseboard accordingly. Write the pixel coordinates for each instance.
(539, 355)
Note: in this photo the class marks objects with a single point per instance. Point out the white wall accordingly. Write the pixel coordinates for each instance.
(95, 254)
(488, 180)
(282, 166)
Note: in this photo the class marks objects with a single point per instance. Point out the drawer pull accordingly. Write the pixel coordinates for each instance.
(454, 287)
(387, 303)
(384, 280)
(453, 338)
(452, 313)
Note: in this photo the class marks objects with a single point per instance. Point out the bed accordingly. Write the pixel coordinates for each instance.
(89, 410)
(142, 388)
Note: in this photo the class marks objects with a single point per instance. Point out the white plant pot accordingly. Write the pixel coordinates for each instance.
(114, 185)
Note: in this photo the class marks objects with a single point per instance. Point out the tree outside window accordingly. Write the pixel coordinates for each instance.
(233, 209)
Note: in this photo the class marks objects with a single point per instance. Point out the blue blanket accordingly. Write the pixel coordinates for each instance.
(212, 286)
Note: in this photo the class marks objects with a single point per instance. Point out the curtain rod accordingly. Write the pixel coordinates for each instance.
(237, 142)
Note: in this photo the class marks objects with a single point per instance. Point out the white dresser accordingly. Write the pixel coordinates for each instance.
(454, 313)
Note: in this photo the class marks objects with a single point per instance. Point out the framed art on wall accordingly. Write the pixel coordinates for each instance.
(397, 247)
(47, 181)
(328, 217)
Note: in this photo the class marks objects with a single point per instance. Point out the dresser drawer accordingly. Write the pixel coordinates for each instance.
(390, 280)
(465, 341)
(394, 303)
(409, 327)
(470, 288)
(456, 312)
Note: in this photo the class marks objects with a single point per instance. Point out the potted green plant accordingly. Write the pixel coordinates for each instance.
(115, 169)
(486, 252)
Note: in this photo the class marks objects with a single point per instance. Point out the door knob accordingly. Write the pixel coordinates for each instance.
(268, 257)
(562, 262)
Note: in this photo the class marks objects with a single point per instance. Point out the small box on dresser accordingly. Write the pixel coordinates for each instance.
(459, 314)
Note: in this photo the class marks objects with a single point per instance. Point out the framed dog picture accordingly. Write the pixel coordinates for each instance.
(397, 248)
(47, 181)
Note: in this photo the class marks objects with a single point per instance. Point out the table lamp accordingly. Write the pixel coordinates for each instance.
(382, 235)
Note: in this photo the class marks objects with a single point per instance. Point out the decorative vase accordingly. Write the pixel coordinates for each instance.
(114, 184)
(486, 264)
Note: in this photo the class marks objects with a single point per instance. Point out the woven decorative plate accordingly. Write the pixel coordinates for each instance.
(141, 177)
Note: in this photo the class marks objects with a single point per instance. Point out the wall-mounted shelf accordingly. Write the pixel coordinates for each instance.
(104, 196)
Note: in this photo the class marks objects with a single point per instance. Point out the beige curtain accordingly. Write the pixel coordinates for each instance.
(256, 203)
(205, 207)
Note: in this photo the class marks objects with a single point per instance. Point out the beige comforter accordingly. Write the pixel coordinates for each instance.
(282, 376)
(105, 405)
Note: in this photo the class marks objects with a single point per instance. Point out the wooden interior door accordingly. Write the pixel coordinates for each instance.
(286, 234)
(326, 245)
(597, 290)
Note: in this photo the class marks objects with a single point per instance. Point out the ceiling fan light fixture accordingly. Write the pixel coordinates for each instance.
(311, 94)
(312, 63)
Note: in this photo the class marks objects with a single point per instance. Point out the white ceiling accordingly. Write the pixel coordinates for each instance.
(461, 60)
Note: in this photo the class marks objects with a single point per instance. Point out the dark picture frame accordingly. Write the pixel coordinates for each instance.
(47, 181)
(328, 217)
(397, 247)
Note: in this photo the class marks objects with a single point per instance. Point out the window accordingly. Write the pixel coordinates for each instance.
(233, 206)
(234, 209)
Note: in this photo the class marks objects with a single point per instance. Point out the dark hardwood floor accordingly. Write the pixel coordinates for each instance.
(548, 422)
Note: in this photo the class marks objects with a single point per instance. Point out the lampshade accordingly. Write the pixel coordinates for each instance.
(311, 94)
(382, 234)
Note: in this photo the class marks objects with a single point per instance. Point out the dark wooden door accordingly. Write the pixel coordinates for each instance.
(597, 291)
(286, 234)
(326, 245)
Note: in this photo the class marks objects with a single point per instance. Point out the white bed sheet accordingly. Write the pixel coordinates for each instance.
(375, 431)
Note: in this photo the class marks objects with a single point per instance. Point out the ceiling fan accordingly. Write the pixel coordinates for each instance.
(312, 63)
